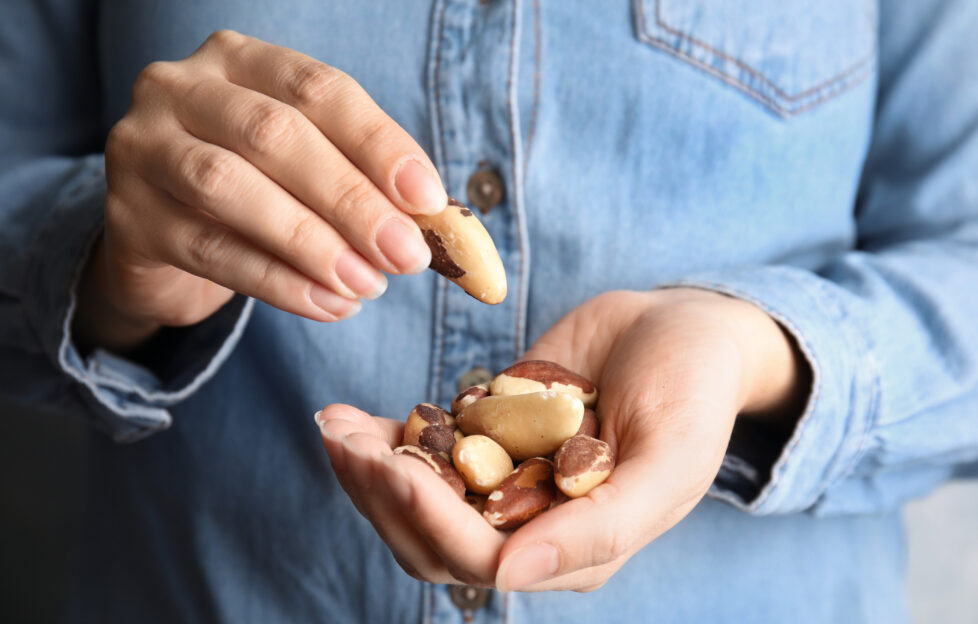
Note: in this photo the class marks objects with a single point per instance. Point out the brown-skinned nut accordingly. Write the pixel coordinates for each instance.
(469, 396)
(590, 425)
(435, 461)
(526, 493)
(581, 464)
(539, 375)
(482, 463)
(431, 427)
(525, 425)
(463, 251)
(476, 501)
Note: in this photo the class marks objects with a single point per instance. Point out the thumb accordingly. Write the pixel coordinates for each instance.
(602, 529)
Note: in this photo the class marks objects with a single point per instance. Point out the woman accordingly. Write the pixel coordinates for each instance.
(755, 227)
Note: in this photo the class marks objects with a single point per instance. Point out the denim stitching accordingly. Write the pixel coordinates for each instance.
(537, 53)
(511, 91)
(439, 305)
(845, 81)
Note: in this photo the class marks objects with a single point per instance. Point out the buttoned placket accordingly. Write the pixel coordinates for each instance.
(472, 88)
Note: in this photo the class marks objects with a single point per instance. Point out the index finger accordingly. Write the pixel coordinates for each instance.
(345, 114)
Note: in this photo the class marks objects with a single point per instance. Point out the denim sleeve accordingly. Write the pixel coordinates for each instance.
(52, 187)
(890, 329)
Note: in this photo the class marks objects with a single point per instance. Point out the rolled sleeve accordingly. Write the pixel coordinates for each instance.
(128, 399)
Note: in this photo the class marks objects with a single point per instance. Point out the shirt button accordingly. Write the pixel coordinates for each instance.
(474, 377)
(485, 188)
(469, 598)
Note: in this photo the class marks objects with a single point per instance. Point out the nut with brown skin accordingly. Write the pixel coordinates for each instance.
(431, 427)
(590, 425)
(525, 425)
(434, 461)
(482, 463)
(526, 493)
(476, 501)
(539, 375)
(463, 251)
(581, 464)
(469, 396)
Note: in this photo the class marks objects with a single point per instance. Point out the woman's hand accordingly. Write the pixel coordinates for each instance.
(674, 369)
(252, 168)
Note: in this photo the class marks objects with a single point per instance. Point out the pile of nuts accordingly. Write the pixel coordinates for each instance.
(517, 446)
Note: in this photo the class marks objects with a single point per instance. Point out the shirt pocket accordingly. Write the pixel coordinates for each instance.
(790, 55)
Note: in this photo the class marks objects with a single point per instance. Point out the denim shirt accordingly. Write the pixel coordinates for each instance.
(816, 158)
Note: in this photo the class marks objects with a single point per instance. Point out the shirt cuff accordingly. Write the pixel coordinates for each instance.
(128, 399)
(831, 435)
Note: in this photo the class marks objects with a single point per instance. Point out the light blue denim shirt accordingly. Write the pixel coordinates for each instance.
(818, 158)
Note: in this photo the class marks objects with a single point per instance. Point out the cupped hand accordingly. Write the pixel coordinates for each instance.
(252, 168)
(675, 368)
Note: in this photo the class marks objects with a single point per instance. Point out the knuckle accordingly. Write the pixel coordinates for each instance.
(224, 39)
(373, 135)
(155, 78)
(301, 233)
(352, 198)
(269, 277)
(120, 141)
(208, 247)
(270, 126)
(206, 171)
(310, 81)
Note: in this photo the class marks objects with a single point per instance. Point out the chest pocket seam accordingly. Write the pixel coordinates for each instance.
(784, 104)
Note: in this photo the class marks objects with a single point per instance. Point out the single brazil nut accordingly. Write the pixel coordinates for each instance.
(581, 464)
(527, 492)
(482, 463)
(431, 427)
(463, 251)
(525, 425)
(435, 461)
(469, 396)
(590, 425)
(539, 375)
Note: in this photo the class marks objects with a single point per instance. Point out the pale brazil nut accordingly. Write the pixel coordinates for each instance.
(526, 493)
(581, 464)
(434, 461)
(526, 425)
(482, 463)
(463, 251)
(431, 427)
(539, 375)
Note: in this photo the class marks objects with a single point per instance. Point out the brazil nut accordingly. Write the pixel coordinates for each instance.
(526, 493)
(581, 464)
(539, 375)
(463, 251)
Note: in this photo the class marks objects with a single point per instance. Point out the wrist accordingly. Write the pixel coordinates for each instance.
(777, 378)
(97, 321)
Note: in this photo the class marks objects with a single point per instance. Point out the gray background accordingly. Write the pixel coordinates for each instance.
(41, 466)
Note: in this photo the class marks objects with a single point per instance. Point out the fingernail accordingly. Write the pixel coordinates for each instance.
(334, 305)
(359, 276)
(529, 565)
(420, 188)
(403, 247)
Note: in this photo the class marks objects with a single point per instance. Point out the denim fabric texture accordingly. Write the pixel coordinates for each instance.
(818, 158)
